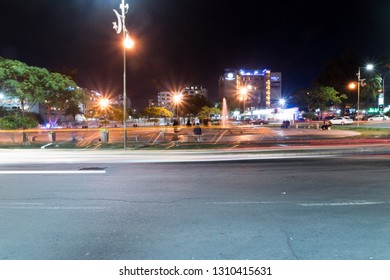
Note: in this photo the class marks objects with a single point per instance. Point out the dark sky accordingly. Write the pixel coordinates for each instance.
(191, 41)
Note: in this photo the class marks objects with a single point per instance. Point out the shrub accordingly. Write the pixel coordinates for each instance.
(17, 121)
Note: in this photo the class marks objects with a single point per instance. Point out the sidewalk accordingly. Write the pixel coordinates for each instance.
(213, 138)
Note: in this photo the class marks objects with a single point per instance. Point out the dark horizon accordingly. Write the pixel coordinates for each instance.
(193, 42)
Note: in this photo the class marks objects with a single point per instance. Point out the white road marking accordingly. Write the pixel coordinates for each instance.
(25, 172)
(351, 203)
(319, 204)
(52, 208)
(243, 202)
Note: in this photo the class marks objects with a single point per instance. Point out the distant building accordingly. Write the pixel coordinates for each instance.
(195, 90)
(165, 98)
(256, 88)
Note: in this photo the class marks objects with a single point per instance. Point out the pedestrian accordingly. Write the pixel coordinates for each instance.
(324, 126)
(197, 132)
(329, 124)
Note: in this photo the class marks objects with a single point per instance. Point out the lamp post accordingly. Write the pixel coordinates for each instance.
(120, 27)
(282, 102)
(360, 83)
(381, 98)
(358, 99)
(243, 93)
(176, 101)
(103, 106)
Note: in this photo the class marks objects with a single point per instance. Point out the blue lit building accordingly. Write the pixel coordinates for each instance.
(255, 89)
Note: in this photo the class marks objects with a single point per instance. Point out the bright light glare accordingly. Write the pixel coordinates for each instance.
(243, 91)
(370, 66)
(104, 102)
(177, 98)
(352, 85)
(128, 42)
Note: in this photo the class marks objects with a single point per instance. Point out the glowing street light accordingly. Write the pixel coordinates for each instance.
(282, 102)
(128, 42)
(104, 104)
(243, 93)
(120, 27)
(177, 100)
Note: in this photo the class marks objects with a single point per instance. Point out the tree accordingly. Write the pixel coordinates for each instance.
(60, 93)
(369, 92)
(17, 121)
(32, 85)
(157, 112)
(72, 109)
(323, 97)
(193, 104)
(205, 112)
(23, 81)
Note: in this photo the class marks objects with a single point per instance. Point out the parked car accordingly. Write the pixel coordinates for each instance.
(258, 121)
(285, 124)
(341, 120)
(236, 123)
(378, 118)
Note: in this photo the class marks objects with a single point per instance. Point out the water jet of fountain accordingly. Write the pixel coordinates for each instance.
(224, 113)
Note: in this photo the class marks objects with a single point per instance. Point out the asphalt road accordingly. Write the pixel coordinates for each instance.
(332, 206)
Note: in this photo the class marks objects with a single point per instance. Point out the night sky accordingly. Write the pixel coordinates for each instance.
(191, 41)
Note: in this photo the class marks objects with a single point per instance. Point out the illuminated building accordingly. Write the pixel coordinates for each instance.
(263, 87)
(165, 98)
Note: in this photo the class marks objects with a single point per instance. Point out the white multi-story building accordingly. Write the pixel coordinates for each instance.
(166, 98)
(195, 90)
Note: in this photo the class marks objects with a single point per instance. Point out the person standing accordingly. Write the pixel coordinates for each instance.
(197, 132)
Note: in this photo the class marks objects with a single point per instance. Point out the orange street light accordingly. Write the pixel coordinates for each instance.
(104, 102)
(128, 42)
(177, 100)
(352, 85)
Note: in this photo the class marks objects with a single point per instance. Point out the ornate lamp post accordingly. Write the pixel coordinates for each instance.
(120, 27)
(360, 82)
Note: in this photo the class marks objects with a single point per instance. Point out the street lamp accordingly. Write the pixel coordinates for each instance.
(243, 94)
(104, 103)
(120, 27)
(176, 100)
(282, 102)
(360, 83)
(381, 97)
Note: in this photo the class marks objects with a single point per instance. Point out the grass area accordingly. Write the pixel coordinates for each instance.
(366, 131)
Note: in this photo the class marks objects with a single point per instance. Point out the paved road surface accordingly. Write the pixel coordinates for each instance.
(104, 206)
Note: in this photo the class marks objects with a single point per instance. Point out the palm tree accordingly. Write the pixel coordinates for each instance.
(371, 89)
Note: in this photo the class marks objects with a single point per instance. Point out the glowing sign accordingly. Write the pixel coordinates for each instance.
(252, 72)
(230, 76)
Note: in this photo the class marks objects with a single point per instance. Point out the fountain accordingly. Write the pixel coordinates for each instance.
(224, 113)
